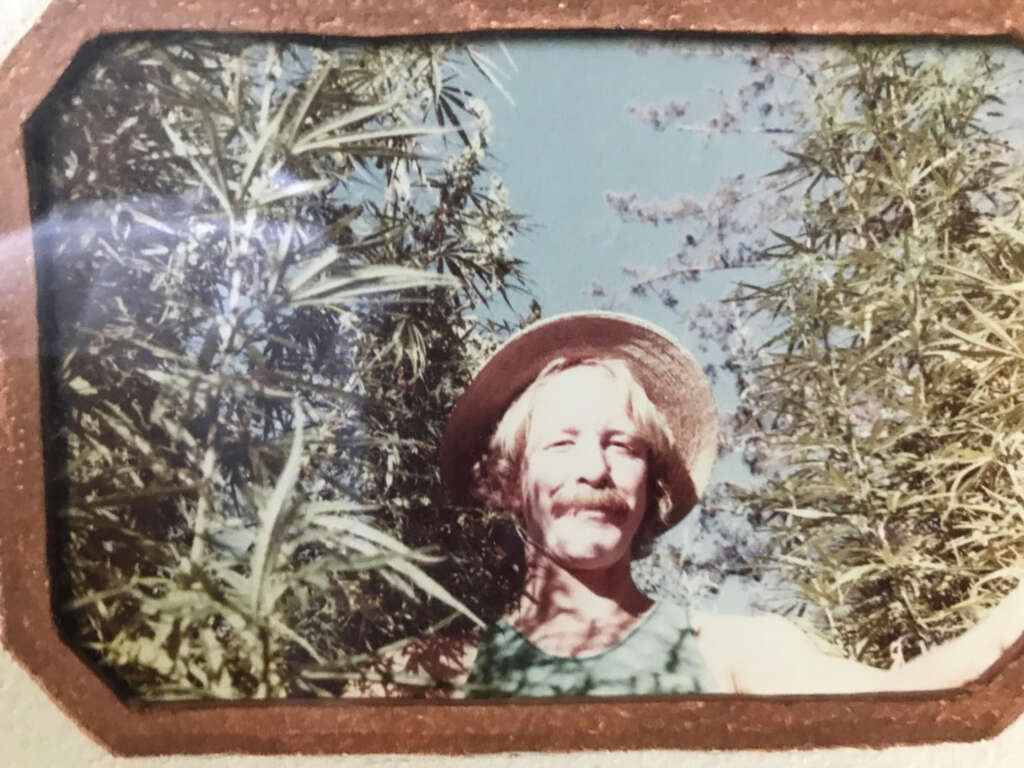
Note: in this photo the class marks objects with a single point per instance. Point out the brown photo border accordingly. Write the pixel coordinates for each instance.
(978, 710)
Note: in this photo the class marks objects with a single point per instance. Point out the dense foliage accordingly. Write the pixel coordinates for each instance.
(261, 266)
(886, 411)
(874, 339)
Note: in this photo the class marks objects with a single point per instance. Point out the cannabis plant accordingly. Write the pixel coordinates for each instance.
(885, 412)
(262, 266)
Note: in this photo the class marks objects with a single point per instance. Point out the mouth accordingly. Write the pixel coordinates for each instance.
(596, 512)
(603, 513)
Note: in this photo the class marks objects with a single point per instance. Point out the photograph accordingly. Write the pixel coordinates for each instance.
(532, 365)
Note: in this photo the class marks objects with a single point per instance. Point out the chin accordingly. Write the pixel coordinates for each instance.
(593, 563)
(591, 555)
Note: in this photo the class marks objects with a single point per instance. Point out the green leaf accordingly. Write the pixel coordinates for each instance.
(338, 142)
(295, 189)
(353, 116)
(272, 518)
(363, 281)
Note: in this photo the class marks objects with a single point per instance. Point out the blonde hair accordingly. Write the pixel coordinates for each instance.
(496, 475)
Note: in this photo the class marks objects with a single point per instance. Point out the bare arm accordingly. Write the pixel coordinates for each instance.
(770, 655)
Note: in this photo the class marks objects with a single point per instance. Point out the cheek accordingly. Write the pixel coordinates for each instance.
(527, 490)
(538, 477)
(518, 493)
(631, 477)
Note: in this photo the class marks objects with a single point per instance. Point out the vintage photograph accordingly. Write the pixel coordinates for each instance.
(532, 366)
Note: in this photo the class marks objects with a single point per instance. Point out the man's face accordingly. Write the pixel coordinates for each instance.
(584, 476)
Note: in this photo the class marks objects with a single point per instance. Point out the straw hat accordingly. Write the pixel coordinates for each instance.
(670, 376)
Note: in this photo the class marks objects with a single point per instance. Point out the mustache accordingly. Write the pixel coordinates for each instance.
(585, 497)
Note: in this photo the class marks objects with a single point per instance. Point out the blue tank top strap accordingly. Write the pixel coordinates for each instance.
(660, 655)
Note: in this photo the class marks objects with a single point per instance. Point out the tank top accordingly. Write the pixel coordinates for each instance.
(658, 656)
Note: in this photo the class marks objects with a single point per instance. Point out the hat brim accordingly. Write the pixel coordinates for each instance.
(672, 379)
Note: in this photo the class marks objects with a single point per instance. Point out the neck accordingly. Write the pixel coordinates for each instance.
(576, 611)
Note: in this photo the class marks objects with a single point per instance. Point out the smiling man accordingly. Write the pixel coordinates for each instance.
(577, 459)
(598, 432)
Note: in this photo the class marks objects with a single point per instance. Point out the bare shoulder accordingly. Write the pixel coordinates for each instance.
(769, 654)
(741, 631)
(435, 666)
(736, 646)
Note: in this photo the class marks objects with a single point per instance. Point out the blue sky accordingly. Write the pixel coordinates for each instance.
(570, 138)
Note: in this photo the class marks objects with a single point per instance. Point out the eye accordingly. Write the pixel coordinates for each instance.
(625, 445)
(563, 442)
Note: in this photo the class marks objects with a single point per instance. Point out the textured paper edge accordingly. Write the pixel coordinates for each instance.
(29, 72)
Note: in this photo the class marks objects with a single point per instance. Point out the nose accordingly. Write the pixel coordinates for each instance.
(592, 464)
